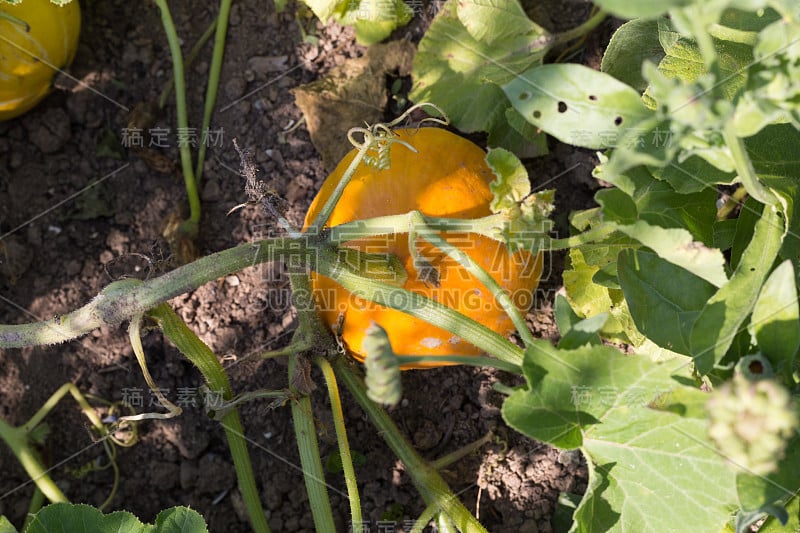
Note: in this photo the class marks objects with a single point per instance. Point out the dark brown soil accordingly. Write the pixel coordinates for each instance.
(78, 210)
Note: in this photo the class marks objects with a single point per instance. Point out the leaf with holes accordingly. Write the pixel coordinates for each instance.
(576, 105)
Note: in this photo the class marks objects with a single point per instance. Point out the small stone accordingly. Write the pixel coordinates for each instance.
(297, 188)
(235, 87)
(106, 257)
(263, 65)
(275, 155)
(232, 281)
(117, 241)
(211, 191)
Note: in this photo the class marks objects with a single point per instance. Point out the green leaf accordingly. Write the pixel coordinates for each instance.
(511, 184)
(590, 299)
(693, 174)
(6, 526)
(324, 9)
(773, 525)
(683, 59)
(664, 299)
(745, 225)
(584, 332)
(687, 402)
(641, 8)
(576, 104)
(659, 204)
(82, 518)
(564, 315)
(459, 72)
(617, 206)
(574, 331)
(496, 22)
(677, 246)
(519, 136)
(724, 232)
(525, 215)
(773, 93)
(374, 20)
(773, 152)
(180, 520)
(725, 312)
(632, 44)
(645, 463)
(776, 317)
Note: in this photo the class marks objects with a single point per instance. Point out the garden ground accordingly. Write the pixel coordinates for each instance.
(78, 209)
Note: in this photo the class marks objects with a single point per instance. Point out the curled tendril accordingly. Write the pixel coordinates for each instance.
(379, 137)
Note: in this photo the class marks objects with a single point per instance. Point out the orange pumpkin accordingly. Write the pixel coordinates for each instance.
(447, 177)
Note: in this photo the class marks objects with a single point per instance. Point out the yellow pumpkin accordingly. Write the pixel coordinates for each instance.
(447, 177)
(42, 40)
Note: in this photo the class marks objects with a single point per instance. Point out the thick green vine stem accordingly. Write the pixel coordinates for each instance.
(204, 359)
(123, 299)
(430, 484)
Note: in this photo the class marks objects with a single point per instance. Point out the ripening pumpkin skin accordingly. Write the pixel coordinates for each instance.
(29, 59)
(448, 177)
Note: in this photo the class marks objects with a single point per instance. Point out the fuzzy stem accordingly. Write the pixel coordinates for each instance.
(489, 226)
(114, 305)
